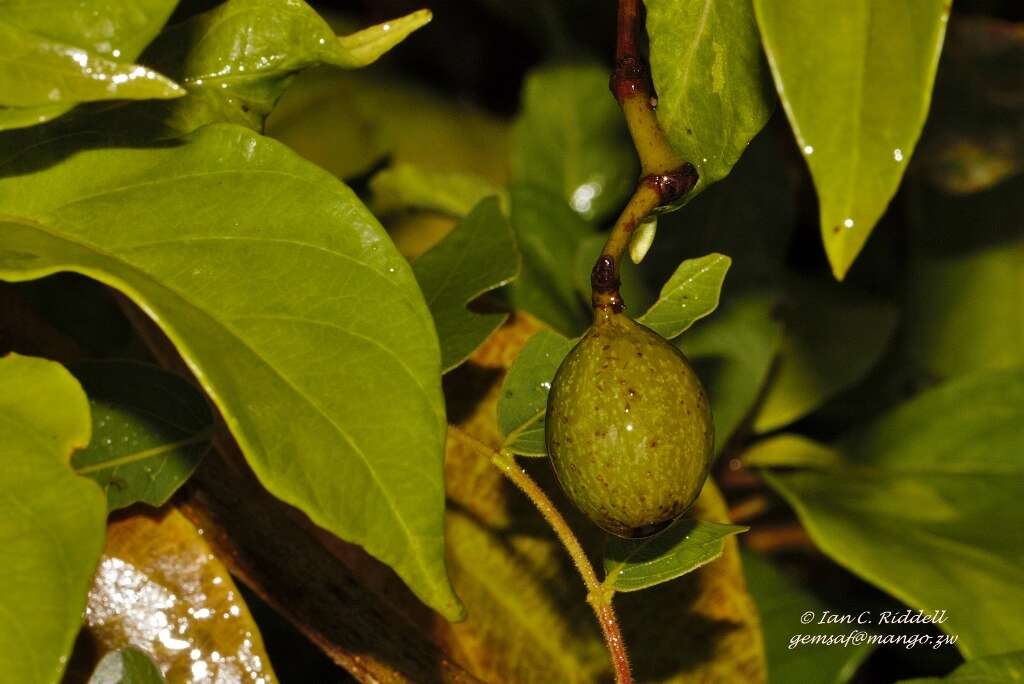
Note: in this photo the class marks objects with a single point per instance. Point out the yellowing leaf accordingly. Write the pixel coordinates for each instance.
(160, 589)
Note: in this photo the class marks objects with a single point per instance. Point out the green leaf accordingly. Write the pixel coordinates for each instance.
(150, 429)
(39, 72)
(855, 81)
(635, 564)
(127, 666)
(524, 394)
(349, 121)
(571, 139)
(923, 503)
(974, 137)
(997, 669)
(689, 295)
(72, 27)
(51, 520)
(476, 257)
(733, 353)
(284, 295)
(405, 186)
(714, 93)
(781, 600)
(549, 234)
(832, 337)
(236, 59)
(964, 303)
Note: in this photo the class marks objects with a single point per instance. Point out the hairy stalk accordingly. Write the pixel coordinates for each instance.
(664, 177)
(598, 596)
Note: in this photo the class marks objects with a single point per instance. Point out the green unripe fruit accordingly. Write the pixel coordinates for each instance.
(628, 428)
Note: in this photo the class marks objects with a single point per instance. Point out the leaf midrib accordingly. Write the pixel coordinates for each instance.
(414, 541)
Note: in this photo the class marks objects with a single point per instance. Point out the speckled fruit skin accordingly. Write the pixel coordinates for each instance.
(628, 428)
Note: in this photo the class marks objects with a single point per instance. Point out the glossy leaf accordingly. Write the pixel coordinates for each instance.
(348, 122)
(831, 339)
(733, 353)
(571, 139)
(855, 80)
(51, 520)
(478, 256)
(997, 669)
(160, 589)
(635, 564)
(39, 72)
(714, 92)
(923, 502)
(127, 27)
(781, 600)
(150, 429)
(689, 295)
(126, 666)
(964, 282)
(405, 186)
(236, 59)
(549, 234)
(524, 394)
(974, 137)
(284, 296)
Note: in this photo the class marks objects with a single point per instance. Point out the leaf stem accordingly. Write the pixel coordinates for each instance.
(598, 596)
(664, 176)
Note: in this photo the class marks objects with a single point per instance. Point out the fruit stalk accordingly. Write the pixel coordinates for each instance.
(598, 596)
(664, 177)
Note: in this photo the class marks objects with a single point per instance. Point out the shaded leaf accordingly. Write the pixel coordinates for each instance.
(855, 80)
(126, 666)
(160, 590)
(974, 137)
(714, 93)
(150, 429)
(549, 234)
(280, 275)
(524, 393)
(347, 122)
(570, 139)
(41, 73)
(997, 669)
(689, 295)
(831, 339)
(51, 520)
(964, 285)
(922, 501)
(406, 186)
(127, 27)
(781, 600)
(634, 564)
(702, 627)
(733, 353)
(476, 257)
(236, 59)
(748, 216)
